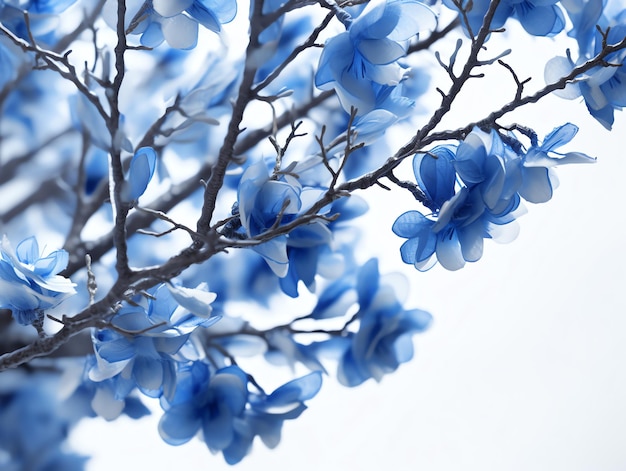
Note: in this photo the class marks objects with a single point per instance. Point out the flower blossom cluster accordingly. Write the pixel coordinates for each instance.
(29, 282)
(173, 21)
(602, 88)
(362, 64)
(474, 191)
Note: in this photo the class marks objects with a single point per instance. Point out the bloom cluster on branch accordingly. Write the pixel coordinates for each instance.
(206, 189)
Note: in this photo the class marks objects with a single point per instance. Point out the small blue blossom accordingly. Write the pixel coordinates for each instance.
(537, 17)
(264, 202)
(29, 282)
(173, 21)
(42, 14)
(461, 218)
(266, 413)
(207, 402)
(602, 88)
(363, 60)
(141, 349)
(384, 337)
(474, 191)
(538, 181)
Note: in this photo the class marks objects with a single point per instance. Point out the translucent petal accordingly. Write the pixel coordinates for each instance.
(170, 345)
(419, 320)
(205, 16)
(536, 186)
(153, 35)
(615, 89)
(556, 68)
(449, 252)
(116, 350)
(230, 390)
(106, 405)
(471, 240)
(180, 32)
(224, 10)
(27, 251)
(148, 373)
(196, 301)
(18, 296)
(367, 283)
(373, 125)
(384, 74)
(291, 394)
(403, 348)
(337, 55)
(179, 424)
(132, 319)
(540, 20)
(559, 137)
(310, 235)
(503, 234)
(435, 174)
(414, 17)
(141, 171)
(380, 51)
(275, 254)
(52, 264)
(169, 8)
(371, 22)
(411, 224)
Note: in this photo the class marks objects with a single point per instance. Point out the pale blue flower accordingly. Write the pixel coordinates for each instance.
(173, 21)
(538, 180)
(602, 88)
(29, 282)
(384, 337)
(537, 17)
(358, 62)
(265, 202)
(142, 346)
(265, 415)
(485, 201)
(474, 191)
(207, 402)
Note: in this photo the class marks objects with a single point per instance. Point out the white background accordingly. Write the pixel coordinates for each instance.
(523, 368)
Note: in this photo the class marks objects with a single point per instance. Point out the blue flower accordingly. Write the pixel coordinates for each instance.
(266, 414)
(537, 17)
(474, 191)
(207, 402)
(538, 182)
(141, 347)
(43, 19)
(384, 337)
(265, 202)
(107, 398)
(584, 15)
(29, 282)
(173, 21)
(362, 60)
(602, 88)
(486, 201)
